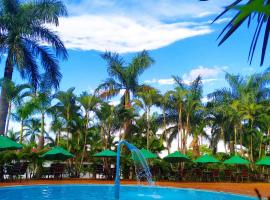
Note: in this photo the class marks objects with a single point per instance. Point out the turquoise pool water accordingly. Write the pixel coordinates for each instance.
(106, 192)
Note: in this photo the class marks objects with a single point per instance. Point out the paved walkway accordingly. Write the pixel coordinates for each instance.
(238, 188)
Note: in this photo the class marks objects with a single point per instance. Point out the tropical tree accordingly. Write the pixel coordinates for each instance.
(146, 99)
(32, 129)
(14, 95)
(67, 110)
(22, 114)
(245, 98)
(41, 102)
(88, 103)
(124, 77)
(23, 30)
(163, 102)
(109, 123)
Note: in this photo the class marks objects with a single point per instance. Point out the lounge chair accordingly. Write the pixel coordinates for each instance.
(215, 175)
(228, 175)
(197, 174)
(99, 172)
(16, 171)
(244, 175)
(58, 170)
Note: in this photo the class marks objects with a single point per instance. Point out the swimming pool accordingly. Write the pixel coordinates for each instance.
(106, 192)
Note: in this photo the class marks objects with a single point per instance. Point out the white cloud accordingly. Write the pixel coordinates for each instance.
(124, 34)
(134, 25)
(168, 81)
(158, 9)
(208, 74)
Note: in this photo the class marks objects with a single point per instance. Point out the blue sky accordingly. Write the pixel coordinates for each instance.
(178, 35)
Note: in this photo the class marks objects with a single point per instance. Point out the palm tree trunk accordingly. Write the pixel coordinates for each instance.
(21, 132)
(186, 135)
(195, 146)
(148, 127)
(3, 100)
(42, 132)
(165, 131)
(251, 148)
(127, 106)
(8, 118)
(235, 138)
(260, 148)
(180, 129)
(223, 135)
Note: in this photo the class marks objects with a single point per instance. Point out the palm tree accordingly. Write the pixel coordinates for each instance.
(108, 123)
(23, 30)
(32, 129)
(41, 101)
(124, 77)
(67, 109)
(245, 97)
(163, 102)
(193, 105)
(22, 114)
(57, 125)
(14, 95)
(89, 103)
(146, 99)
(177, 99)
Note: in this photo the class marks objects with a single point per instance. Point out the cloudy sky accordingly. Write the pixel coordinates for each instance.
(178, 34)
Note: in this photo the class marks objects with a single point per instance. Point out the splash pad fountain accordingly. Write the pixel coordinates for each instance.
(141, 167)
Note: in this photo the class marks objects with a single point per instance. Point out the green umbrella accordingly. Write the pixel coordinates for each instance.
(177, 156)
(148, 155)
(57, 153)
(8, 144)
(265, 161)
(206, 159)
(106, 153)
(236, 160)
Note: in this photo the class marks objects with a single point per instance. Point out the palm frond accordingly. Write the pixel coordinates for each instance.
(248, 11)
(45, 11)
(44, 34)
(140, 63)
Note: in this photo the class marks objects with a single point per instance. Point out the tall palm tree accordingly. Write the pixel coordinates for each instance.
(22, 114)
(23, 30)
(163, 102)
(108, 123)
(146, 99)
(32, 129)
(89, 103)
(67, 109)
(177, 100)
(41, 101)
(124, 77)
(14, 95)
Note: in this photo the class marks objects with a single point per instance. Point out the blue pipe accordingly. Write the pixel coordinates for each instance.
(117, 176)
